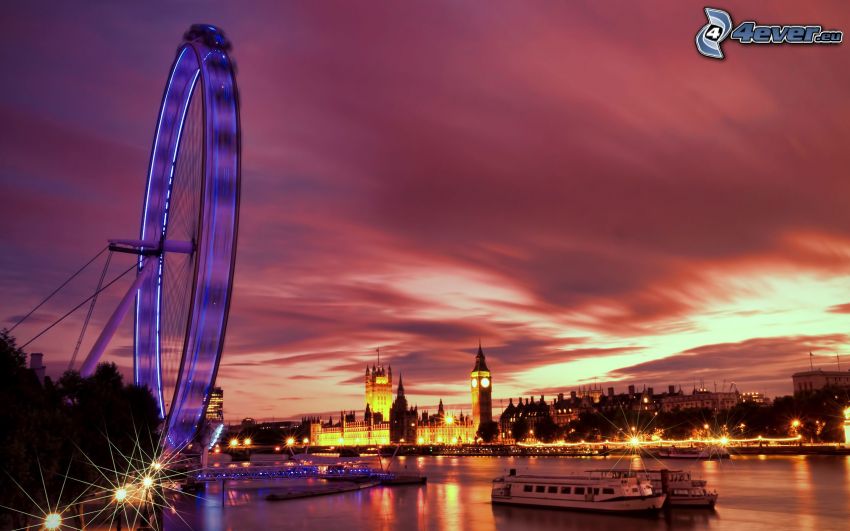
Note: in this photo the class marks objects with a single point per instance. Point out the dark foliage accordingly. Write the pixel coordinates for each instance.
(71, 428)
(488, 431)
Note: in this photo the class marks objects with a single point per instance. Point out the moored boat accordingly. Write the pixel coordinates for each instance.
(693, 452)
(681, 489)
(580, 492)
(395, 480)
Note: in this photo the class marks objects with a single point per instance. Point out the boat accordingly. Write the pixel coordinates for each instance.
(684, 491)
(581, 492)
(396, 479)
(693, 452)
(312, 492)
(681, 489)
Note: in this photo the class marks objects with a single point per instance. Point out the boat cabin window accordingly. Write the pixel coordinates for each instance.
(526, 488)
(607, 491)
(540, 488)
(596, 490)
(565, 490)
(553, 490)
(579, 490)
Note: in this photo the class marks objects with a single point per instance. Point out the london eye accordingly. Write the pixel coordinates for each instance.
(187, 242)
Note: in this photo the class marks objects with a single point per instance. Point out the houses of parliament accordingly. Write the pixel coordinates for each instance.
(387, 420)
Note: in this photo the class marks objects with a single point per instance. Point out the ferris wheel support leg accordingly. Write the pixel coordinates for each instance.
(111, 327)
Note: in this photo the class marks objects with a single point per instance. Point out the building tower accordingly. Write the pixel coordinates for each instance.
(379, 390)
(481, 385)
(37, 365)
(215, 406)
(403, 420)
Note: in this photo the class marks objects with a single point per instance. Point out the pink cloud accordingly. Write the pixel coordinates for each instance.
(598, 175)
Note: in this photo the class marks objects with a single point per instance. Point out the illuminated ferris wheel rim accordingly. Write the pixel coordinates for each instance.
(201, 78)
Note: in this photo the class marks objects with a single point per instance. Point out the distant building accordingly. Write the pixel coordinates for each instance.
(442, 428)
(445, 428)
(379, 389)
(384, 422)
(481, 387)
(530, 411)
(350, 432)
(701, 399)
(754, 397)
(817, 379)
(215, 406)
(37, 365)
(565, 409)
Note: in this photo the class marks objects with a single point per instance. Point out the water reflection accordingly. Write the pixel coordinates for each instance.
(772, 493)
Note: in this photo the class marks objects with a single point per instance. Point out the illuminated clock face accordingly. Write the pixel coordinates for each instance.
(485, 382)
(474, 383)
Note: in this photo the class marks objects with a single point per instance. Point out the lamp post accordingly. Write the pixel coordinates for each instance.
(847, 427)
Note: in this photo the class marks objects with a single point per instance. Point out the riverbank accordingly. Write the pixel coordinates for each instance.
(511, 450)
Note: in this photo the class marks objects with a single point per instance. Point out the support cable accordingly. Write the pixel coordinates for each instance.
(77, 307)
(39, 305)
(91, 309)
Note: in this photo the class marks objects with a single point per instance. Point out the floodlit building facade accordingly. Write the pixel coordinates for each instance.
(817, 379)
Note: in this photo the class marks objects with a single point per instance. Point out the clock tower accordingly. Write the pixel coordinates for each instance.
(481, 386)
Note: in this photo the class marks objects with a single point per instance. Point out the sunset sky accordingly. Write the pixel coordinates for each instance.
(571, 183)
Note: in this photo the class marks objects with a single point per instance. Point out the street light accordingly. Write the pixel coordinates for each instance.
(120, 494)
(305, 440)
(290, 441)
(147, 482)
(795, 424)
(234, 442)
(247, 441)
(52, 521)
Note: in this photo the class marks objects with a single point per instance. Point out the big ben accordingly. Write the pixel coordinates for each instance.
(481, 386)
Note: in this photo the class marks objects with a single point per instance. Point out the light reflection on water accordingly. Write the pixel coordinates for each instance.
(757, 492)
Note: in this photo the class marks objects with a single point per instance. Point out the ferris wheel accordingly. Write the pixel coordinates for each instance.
(187, 243)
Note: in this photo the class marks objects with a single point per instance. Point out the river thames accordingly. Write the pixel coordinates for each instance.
(756, 493)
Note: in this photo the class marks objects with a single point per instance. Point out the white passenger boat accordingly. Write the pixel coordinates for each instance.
(681, 489)
(581, 492)
(701, 452)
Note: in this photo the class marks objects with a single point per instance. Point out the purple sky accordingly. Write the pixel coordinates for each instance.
(574, 185)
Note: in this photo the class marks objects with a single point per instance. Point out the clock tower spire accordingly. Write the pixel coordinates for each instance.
(481, 386)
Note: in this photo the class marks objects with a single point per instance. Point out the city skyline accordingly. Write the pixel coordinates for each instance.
(544, 202)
